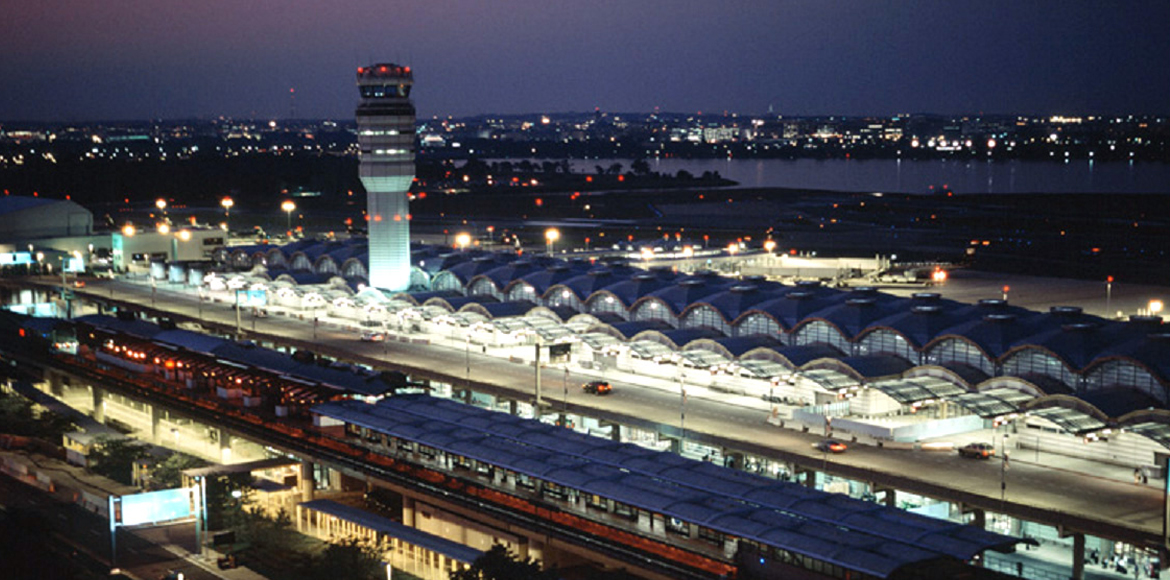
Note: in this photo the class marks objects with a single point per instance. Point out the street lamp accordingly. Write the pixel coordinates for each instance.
(227, 204)
(463, 239)
(288, 206)
(769, 245)
(161, 204)
(1155, 307)
(551, 235)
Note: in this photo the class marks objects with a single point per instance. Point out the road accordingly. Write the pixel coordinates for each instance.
(1099, 503)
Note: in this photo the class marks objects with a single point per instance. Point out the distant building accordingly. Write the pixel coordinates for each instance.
(23, 219)
(385, 132)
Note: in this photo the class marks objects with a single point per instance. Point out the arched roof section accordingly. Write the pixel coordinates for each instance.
(543, 280)
(560, 314)
(459, 302)
(469, 269)
(863, 368)
(626, 330)
(499, 309)
(688, 291)
(1072, 414)
(1153, 424)
(355, 267)
(941, 372)
(1151, 352)
(607, 296)
(794, 306)
(800, 355)
(276, 258)
(304, 278)
(1120, 400)
(419, 298)
(433, 261)
(584, 285)
(919, 325)
(441, 303)
(734, 347)
(504, 274)
(993, 334)
(677, 338)
(639, 285)
(737, 300)
(853, 317)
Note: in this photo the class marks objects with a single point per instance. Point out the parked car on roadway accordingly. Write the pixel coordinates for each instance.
(978, 450)
(597, 387)
(830, 446)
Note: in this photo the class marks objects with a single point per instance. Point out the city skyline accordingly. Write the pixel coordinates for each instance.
(793, 58)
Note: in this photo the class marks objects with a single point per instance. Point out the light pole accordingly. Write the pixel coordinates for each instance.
(1156, 307)
(551, 235)
(161, 204)
(682, 410)
(227, 204)
(288, 206)
(238, 317)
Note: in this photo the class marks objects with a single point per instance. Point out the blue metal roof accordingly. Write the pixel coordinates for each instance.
(391, 528)
(858, 535)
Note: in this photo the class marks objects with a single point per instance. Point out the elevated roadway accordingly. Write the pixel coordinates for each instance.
(1074, 497)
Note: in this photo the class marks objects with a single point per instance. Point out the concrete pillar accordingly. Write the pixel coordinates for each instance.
(225, 446)
(810, 477)
(155, 419)
(979, 518)
(891, 499)
(732, 459)
(99, 408)
(408, 511)
(1078, 554)
(56, 387)
(305, 481)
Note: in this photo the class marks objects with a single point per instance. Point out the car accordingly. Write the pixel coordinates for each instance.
(79, 283)
(830, 446)
(373, 336)
(978, 450)
(597, 387)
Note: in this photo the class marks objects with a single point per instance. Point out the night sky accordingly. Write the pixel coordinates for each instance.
(85, 60)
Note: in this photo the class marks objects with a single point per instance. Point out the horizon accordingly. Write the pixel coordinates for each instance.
(726, 113)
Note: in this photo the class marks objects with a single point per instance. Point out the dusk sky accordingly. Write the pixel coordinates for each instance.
(81, 60)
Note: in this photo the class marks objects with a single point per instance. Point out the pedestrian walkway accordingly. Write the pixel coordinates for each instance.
(1054, 562)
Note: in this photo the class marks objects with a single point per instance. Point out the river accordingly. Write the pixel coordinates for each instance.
(906, 176)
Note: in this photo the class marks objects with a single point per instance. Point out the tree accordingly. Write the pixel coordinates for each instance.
(18, 416)
(168, 474)
(357, 559)
(114, 457)
(615, 169)
(640, 167)
(499, 564)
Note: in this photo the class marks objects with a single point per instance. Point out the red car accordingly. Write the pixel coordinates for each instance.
(597, 388)
(830, 446)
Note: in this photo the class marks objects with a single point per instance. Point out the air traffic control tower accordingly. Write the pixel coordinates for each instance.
(385, 136)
